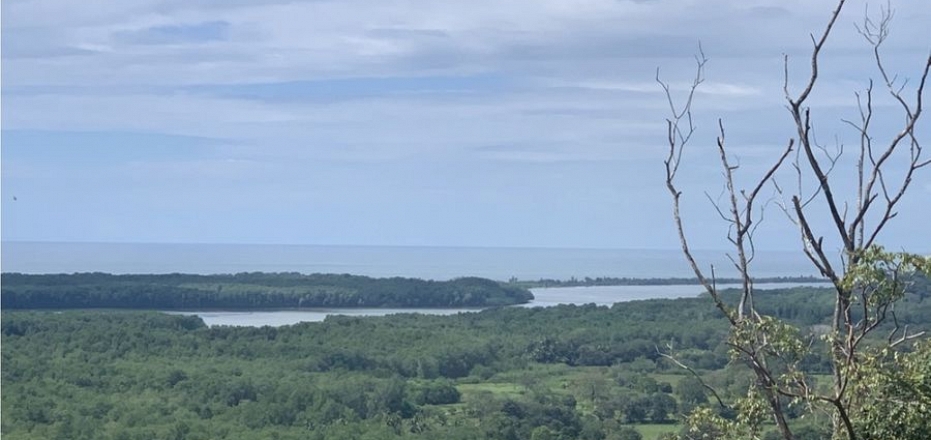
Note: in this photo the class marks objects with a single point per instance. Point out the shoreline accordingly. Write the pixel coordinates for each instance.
(544, 297)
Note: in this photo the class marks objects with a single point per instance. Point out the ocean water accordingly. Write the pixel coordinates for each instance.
(438, 263)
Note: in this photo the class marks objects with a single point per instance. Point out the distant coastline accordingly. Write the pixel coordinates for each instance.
(432, 263)
(611, 281)
(257, 291)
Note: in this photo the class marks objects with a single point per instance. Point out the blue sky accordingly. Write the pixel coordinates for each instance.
(369, 122)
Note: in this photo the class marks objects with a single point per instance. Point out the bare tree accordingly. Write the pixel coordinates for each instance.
(866, 280)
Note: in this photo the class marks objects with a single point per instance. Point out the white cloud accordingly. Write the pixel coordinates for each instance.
(174, 114)
(707, 87)
(299, 40)
(726, 89)
(619, 86)
(567, 82)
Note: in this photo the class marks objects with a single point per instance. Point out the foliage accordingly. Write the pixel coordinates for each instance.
(248, 290)
(129, 374)
(869, 373)
(896, 389)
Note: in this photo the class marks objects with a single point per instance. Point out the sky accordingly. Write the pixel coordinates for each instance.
(422, 123)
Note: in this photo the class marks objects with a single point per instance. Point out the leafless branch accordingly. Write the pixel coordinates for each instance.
(695, 374)
(884, 172)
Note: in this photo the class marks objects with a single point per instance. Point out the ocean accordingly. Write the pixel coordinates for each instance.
(438, 263)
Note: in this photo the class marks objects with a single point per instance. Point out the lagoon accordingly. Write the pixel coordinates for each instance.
(437, 263)
(544, 297)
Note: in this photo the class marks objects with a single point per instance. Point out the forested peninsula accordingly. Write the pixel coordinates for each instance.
(248, 291)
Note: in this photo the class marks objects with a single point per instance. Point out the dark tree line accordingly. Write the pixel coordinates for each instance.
(248, 291)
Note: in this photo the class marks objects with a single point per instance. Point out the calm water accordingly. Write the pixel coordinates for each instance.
(544, 297)
(277, 318)
(437, 263)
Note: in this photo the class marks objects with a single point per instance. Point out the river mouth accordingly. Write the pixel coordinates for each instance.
(543, 297)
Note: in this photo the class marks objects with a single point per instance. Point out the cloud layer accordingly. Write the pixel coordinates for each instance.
(522, 123)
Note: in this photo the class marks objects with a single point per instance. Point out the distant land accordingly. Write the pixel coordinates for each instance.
(625, 281)
(253, 290)
(290, 290)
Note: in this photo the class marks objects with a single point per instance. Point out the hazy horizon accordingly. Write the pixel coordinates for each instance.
(430, 262)
(452, 246)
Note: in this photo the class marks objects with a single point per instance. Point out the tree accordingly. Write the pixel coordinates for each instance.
(636, 410)
(898, 389)
(690, 391)
(626, 433)
(661, 406)
(867, 281)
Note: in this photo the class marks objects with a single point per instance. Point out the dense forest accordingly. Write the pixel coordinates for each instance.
(248, 291)
(566, 372)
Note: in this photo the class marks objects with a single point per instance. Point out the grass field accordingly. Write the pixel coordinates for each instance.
(653, 431)
(561, 379)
